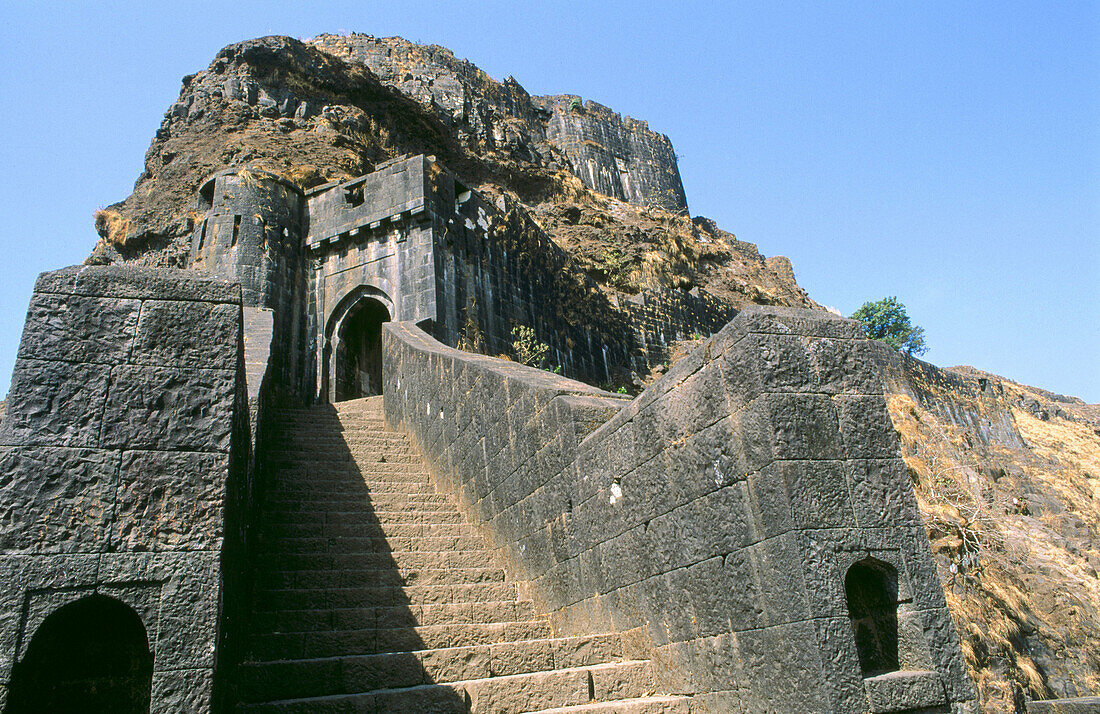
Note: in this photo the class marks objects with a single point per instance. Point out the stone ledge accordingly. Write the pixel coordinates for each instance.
(1079, 705)
(137, 283)
(902, 691)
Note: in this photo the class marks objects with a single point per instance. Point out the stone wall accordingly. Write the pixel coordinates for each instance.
(721, 512)
(123, 462)
(251, 233)
(660, 317)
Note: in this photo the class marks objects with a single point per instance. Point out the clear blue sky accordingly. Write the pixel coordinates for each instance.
(944, 152)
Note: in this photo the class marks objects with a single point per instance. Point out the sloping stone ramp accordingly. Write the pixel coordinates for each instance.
(374, 596)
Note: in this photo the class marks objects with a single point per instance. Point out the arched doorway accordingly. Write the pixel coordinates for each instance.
(91, 656)
(357, 359)
(871, 587)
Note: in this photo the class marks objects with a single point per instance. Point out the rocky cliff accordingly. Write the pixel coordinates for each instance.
(334, 107)
(1008, 479)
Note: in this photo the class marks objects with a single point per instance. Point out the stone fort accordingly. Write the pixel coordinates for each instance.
(292, 478)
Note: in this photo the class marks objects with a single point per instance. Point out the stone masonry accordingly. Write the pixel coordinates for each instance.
(121, 453)
(731, 511)
(412, 240)
(188, 524)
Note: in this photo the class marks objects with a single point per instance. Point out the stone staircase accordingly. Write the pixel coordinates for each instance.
(372, 595)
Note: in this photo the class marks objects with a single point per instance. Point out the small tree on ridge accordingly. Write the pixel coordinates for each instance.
(885, 320)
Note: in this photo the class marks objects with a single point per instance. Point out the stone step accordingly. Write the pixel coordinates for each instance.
(374, 528)
(328, 643)
(362, 455)
(282, 494)
(326, 436)
(371, 561)
(306, 471)
(657, 704)
(289, 679)
(281, 506)
(382, 596)
(276, 539)
(369, 528)
(492, 695)
(393, 616)
(292, 579)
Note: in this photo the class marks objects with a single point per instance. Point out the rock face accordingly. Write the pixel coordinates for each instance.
(617, 157)
(315, 112)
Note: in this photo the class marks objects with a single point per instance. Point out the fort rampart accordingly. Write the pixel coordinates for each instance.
(751, 499)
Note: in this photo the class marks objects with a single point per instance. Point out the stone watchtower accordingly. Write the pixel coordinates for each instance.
(253, 224)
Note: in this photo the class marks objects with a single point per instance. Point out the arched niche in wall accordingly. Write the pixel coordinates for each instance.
(90, 656)
(353, 344)
(871, 587)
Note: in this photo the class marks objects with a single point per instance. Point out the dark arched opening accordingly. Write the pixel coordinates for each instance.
(358, 362)
(872, 590)
(91, 656)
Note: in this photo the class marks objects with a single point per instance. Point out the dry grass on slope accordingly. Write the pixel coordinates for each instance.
(1014, 534)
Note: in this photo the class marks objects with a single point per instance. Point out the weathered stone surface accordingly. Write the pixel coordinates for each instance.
(182, 690)
(134, 282)
(56, 500)
(169, 408)
(170, 501)
(903, 691)
(55, 404)
(187, 334)
(93, 330)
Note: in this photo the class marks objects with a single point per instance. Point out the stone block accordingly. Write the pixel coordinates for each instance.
(844, 366)
(744, 600)
(881, 493)
(904, 691)
(79, 329)
(708, 592)
(843, 685)
(182, 690)
(770, 504)
(170, 501)
(865, 428)
(133, 282)
(779, 566)
(174, 333)
(55, 404)
(798, 426)
(781, 677)
(823, 573)
(56, 500)
(169, 408)
(818, 493)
